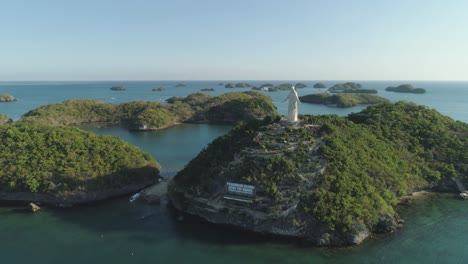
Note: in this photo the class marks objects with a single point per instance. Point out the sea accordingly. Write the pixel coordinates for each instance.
(116, 231)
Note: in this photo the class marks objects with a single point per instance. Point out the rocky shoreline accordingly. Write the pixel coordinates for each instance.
(71, 199)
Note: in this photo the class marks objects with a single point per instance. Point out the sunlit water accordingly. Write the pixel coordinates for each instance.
(113, 231)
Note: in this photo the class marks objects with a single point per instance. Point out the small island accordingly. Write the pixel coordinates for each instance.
(159, 89)
(118, 88)
(237, 85)
(350, 87)
(7, 98)
(330, 180)
(300, 85)
(207, 89)
(342, 99)
(320, 85)
(64, 166)
(405, 88)
(198, 107)
(282, 87)
(180, 85)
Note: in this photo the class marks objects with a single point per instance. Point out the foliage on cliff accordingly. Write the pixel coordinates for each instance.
(4, 119)
(342, 100)
(64, 160)
(139, 115)
(372, 158)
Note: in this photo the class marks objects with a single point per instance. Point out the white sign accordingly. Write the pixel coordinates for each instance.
(241, 189)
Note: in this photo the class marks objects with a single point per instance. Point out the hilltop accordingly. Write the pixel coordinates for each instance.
(330, 180)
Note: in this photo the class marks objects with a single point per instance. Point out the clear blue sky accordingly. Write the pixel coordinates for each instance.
(238, 39)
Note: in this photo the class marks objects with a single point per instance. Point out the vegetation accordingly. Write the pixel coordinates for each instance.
(405, 88)
(320, 85)
(7, 98)
(372, 158)
(230, 108)
(66, 160)
(350, 87)
(118, 88)
(342, 100)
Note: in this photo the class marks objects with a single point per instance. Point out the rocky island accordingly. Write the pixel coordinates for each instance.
(207, 89)
(159, 89)
(64, 166)
(140, 115)
(118, 88)
(342, 100)
(7, 98)
(329, 180)
(405, 88)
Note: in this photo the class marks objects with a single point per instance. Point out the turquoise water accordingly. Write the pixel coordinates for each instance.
(113, 231)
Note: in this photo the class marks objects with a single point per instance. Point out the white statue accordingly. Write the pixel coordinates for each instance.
(292, 99)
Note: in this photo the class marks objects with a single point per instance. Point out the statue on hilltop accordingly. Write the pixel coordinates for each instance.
(292, 99)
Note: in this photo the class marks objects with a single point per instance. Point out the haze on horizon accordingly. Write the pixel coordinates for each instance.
(229, 40)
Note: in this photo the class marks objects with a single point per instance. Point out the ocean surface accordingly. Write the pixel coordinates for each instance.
(115, 231)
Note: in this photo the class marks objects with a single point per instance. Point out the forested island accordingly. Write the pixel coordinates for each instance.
(140, 115)
(64, 166)
(405, 88)
(320, 85)
(350, 87)
(342, 100)
(329, 180)
(7, 98)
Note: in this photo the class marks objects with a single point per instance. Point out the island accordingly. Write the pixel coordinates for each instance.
(282, 87)
(342, 99)
(207, 89)
(405, 88)
(330, 180)
(118, 88)
(180, 85)
(300, 85)
(159, 89)
(7, 98)
(199, 107)
(237, 85)
(320, 85)
(4, 119)
(350, 87)
(64, 166)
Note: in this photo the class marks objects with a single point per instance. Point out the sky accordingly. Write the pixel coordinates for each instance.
(233, 40)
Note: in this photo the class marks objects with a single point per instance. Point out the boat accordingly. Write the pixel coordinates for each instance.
(134, 197)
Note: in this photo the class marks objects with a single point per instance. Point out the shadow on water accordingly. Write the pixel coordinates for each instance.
(156, 223)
